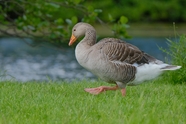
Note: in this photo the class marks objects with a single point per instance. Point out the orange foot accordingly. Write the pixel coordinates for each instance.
(101, 89)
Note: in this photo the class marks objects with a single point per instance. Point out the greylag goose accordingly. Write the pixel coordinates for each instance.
(114, 61)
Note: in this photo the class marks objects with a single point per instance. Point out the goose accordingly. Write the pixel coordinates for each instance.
(114, 60)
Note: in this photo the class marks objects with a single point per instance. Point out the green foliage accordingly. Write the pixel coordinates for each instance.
(53, 20)
(143, 10)
(56, 103)
(50, 20)
(120, 27)
(178, 56)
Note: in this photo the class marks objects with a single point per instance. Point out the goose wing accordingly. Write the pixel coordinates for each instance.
(120, 57)
(118, 51)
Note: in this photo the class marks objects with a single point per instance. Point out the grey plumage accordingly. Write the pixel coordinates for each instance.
(114, 60)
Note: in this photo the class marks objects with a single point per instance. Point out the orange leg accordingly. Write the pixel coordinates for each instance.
(123, 92)
(101, 89)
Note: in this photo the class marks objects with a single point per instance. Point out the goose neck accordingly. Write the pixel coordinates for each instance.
(90, 37)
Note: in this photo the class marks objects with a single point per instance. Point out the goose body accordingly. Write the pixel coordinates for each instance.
(114, 60)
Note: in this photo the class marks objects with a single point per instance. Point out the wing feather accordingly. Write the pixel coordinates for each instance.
(118, 50)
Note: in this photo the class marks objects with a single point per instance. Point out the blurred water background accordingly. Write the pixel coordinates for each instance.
(22, 62)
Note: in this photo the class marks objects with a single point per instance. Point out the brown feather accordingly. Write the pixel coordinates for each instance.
(118, 50)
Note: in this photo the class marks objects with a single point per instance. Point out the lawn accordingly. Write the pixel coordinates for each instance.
(162, 101)
(67, 103)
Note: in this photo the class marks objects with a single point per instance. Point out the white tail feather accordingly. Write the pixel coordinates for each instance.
(151, 71)
(171, 67)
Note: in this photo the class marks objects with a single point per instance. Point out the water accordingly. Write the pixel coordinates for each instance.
(22, 62)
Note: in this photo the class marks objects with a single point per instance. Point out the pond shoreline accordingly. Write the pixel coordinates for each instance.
(147, 30)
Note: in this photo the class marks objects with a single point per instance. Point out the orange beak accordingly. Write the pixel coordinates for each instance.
(72, 40)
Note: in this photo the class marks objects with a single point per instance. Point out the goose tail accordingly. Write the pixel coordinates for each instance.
(171, 67)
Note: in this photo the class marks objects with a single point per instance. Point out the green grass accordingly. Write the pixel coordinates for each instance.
(162, 101)
(178, 54)
(67, 103)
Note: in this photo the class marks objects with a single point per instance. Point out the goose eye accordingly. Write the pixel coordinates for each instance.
(74, 29)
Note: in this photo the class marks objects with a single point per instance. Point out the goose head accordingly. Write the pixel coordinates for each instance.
(79, 30)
